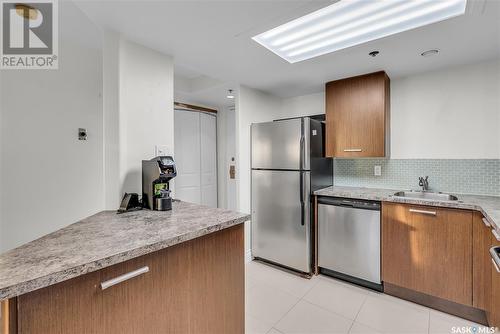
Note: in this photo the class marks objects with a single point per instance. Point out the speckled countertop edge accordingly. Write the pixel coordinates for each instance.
(489, 206)
(11, 262)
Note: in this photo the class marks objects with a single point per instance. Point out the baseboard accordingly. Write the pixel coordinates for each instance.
(463, 311)
(248, 255)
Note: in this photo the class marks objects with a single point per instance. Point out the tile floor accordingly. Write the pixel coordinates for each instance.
(280, 302)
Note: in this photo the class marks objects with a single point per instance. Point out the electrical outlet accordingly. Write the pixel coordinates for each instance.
(377, 170)
(162, 150)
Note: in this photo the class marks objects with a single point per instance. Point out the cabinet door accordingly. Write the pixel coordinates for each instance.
(429, 250)
(194, 287)
(357, 116)
(481, 263)
(494, 314)
(71, 306)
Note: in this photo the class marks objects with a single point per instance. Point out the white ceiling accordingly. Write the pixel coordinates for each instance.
(213, 38)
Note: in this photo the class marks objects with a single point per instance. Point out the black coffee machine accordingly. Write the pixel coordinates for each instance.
(156, 175)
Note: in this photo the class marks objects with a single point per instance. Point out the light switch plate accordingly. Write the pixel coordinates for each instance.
(377, 170)
(162, 150)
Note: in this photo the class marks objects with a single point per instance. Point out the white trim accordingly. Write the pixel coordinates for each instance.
(248, 256)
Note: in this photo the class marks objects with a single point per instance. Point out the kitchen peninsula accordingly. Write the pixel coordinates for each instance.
(180, 271)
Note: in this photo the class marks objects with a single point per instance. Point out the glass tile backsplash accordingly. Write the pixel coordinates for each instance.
(466, 176)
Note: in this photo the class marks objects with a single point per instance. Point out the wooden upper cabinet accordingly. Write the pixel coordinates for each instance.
(357, 116)
(429, 250)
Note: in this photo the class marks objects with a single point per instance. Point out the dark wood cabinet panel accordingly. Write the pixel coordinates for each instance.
(429, 250)
(481, 263)
(494, 311)
(193, 287)
(75, 304)
(357, 116)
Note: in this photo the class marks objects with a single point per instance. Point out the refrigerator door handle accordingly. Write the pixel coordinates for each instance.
(302, 146)
(302, 150)
(302, 203)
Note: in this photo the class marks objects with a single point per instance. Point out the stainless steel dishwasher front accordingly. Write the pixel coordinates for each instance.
(349, 240)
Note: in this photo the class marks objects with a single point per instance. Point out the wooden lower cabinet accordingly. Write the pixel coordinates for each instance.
(481, 263)
(494, 311)
(428, 250)
(193, 287)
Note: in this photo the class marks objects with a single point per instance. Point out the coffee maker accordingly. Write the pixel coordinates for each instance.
(156, 176)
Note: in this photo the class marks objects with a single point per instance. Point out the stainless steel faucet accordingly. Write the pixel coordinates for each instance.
(424, 183)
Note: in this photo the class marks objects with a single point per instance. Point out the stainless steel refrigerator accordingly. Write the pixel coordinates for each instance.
(288, 164)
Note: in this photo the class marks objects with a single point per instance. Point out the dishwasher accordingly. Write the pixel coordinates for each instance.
(349, 240)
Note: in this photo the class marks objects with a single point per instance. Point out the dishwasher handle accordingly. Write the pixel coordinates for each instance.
(352, 203)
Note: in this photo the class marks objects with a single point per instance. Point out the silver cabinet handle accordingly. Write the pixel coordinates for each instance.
(495, 265)
(123, 278)
(353, 150)
(431, 213)
(486, 222)
(495, 233)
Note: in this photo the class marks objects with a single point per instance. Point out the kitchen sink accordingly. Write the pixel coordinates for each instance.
(426, 195)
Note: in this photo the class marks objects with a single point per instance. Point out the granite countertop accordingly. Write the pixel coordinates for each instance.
(489, 206)
(105, 239)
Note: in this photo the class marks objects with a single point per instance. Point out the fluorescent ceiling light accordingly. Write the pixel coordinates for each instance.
(351, 22)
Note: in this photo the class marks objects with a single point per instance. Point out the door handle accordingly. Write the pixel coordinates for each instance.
(124, 277)
(353, 150)
(424, 212)
(302, 145)
(302, 204)
(302, 149)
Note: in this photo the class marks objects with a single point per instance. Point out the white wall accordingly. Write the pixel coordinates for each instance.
(306, 105)
(252, 106)
(111, 118)
(146, 109)
(448, 114)
(49, 178)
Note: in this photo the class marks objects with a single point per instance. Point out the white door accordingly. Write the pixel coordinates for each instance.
(187, 156)
(196, 157)
(208, 127)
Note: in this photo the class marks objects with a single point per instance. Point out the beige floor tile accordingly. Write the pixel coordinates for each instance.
(268, 304)
(337, 297)
(389, 316)
(442, 323)
(255, 326)
(249, 283)
(358, 328)
(306, 318)
(285, 281)
(274, 331)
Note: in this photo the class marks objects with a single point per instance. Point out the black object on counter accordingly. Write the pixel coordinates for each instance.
(156, 175)
(130, 202)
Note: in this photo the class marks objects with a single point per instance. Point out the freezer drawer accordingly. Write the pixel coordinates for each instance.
(281, 218)
(349, 241)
